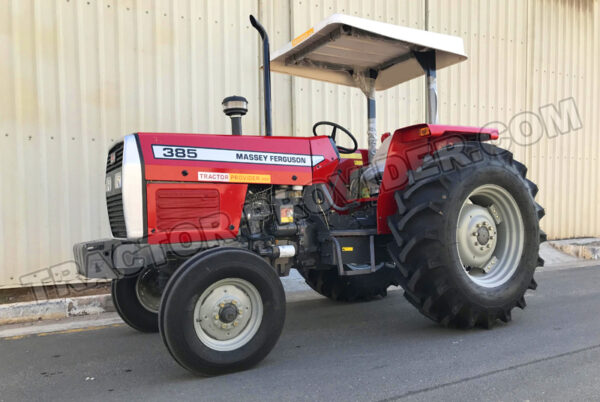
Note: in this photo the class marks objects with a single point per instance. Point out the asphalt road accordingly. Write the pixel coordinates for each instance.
(382, 350)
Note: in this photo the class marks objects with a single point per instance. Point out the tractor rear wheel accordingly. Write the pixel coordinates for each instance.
(222, 311)
(365, 287)
(137, 298)
(467, 235)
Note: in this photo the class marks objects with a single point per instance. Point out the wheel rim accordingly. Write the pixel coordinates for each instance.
(228, 314)
(147, 290)
(490, 236)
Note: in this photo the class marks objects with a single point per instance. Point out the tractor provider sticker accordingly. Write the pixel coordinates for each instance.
(234, 156)
(235, 177)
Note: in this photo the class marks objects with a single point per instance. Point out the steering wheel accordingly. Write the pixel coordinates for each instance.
(342, 150)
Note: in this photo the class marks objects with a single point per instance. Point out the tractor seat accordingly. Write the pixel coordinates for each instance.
(365, 182)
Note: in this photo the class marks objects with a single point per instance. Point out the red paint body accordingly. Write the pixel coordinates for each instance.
(182, 209)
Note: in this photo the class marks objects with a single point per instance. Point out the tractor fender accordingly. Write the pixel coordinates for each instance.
(408, 147)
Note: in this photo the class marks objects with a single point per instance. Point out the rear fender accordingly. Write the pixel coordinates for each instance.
(408, 148)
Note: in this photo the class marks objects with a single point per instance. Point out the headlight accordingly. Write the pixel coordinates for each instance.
(118, 181)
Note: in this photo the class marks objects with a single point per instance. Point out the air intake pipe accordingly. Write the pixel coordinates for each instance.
(235, 107)
(266, 73)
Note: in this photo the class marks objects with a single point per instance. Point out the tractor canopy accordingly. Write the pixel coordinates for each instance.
(341, 47)
(370, 55)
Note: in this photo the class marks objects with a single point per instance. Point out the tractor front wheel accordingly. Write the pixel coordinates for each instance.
(137, 298)
(467, 235)
(223, 311)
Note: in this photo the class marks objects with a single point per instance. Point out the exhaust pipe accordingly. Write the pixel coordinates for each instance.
(266, 73)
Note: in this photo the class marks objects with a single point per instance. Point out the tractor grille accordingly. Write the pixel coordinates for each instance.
(115, 164)
(115, 215)
(114, 199)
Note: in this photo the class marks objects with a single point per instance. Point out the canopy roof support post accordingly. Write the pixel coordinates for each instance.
(427, 62)
(366, 82)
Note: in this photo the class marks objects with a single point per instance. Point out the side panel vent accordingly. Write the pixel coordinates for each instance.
(181, 208)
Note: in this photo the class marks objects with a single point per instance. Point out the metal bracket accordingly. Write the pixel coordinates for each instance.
(340, 264)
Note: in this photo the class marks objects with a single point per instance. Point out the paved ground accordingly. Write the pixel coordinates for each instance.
(382, 350)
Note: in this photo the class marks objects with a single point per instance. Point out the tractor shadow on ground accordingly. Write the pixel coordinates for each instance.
(320, 329)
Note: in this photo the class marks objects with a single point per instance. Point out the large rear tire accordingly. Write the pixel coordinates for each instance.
(137, 298)
(467, 235)
(223, 310)
(365, 287)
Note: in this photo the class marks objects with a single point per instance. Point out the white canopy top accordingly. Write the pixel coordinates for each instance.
(341, 44)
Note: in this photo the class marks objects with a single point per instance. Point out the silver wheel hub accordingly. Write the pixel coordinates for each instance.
(147, 290)
(490, 236)
(228, 314)
(477, 236)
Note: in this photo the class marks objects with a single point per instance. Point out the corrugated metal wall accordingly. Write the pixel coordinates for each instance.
(524, 57)
(76, 75)
(564, 62)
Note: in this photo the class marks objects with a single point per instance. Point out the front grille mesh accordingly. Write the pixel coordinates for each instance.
(115, 215)
(118, 151)
(114, 201)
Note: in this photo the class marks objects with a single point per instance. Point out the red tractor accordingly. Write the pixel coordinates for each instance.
(204, 225)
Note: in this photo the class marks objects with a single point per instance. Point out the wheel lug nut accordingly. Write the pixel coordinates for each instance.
(234, 302)
(222, 305)
(224, 326)
(216, 316)
(235, 323)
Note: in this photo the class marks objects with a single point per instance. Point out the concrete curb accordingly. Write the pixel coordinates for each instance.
(53, 309)
(587, 248)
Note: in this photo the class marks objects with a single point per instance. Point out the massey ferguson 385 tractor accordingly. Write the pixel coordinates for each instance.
(204, 225)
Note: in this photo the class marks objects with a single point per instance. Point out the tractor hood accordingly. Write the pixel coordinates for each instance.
(234, 159)
(341, 45)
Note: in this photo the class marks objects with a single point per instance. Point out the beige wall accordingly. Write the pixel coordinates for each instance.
(76, 75)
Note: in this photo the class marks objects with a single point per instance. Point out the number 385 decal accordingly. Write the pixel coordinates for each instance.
(167, 152)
